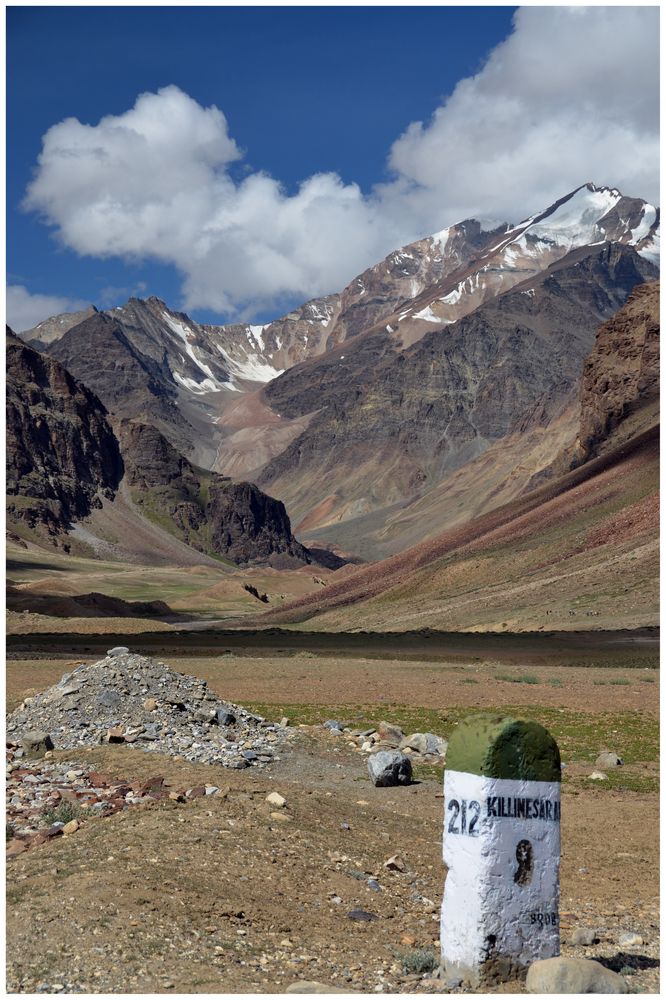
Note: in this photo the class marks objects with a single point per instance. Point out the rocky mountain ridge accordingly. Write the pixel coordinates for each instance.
(186, 377)
(390, 425)
(621, 373)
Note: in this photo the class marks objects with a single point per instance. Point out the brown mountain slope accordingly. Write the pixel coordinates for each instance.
(618, 398)
(583, 544)
(66, 459)
(579, 551)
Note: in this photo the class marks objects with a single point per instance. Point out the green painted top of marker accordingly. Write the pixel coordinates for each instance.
(496, 746)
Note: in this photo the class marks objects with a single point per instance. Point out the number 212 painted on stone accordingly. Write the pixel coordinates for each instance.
(468, 812)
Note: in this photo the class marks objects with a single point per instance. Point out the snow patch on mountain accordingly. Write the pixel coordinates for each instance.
(256, 333)
(645, 225)
(428, 315)
(651, 250)
(207, 385)
(576, 221)
(439, 240)
(252, 369)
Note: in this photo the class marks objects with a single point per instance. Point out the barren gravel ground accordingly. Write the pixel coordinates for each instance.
(216, 895)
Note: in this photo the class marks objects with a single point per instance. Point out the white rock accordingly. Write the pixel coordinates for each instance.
(275, 799)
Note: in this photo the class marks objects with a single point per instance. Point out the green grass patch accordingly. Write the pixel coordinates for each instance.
(518, 678)
(62, 813)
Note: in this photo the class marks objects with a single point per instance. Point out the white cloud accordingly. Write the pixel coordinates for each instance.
(25, 310)
(570, 96)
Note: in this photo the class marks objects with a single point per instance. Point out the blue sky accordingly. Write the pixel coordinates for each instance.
(297, 145)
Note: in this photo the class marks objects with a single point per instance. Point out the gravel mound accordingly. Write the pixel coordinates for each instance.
(134, 699)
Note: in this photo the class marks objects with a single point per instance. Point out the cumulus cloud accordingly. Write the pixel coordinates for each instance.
(570, 96)
(25, 310)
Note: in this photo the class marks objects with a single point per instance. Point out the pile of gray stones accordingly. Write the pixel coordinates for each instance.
(130, 699)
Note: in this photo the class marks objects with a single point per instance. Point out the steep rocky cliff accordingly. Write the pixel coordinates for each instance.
(621, 373)
(208, 511)
(62, 455)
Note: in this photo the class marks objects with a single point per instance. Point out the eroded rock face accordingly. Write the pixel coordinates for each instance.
(212, 513)
(62, 455)
(622, 370)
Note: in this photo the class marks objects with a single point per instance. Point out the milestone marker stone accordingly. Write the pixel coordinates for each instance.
(500, 911)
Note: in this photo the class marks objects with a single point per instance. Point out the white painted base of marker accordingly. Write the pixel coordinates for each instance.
(502, 851)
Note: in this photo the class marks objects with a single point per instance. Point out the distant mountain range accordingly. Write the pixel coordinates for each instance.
(439, 385)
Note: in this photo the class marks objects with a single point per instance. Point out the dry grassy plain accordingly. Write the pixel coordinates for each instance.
(218, 896)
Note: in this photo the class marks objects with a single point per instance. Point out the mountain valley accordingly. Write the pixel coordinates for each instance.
(438, 396)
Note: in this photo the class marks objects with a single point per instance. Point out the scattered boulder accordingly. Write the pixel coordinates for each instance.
(425, 743)
(333, 725)
(35, 743)
(388, 768)
(630, 940)
(277, 800)
(584, 936)
(390, 733)
(573, 975)
(608, 759)
(117, 651)
(225, 717)
(598, 776)
(362, 915)
(71, 827)
(15, 847)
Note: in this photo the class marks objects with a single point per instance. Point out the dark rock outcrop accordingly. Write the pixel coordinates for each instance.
(208, 511)
(62, 454)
